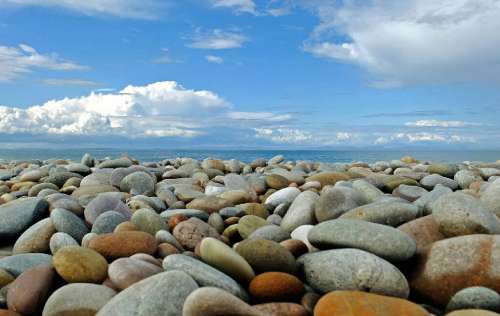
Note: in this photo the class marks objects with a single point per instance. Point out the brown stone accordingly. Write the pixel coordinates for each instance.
(328, 178)
(309, 301)
(281, 309)
(453, 264)
(276, 287)
(6, 312)
(123, 244)
(125, 226)
(166, 249)
(424, 230)
(28, 293)
(80, 265)
(189, 233)
(276, 181)
(176, 219)
(353, 303)
(472, 312)
(295, 246)
(5, 278)
(209, 204)
(127, 271)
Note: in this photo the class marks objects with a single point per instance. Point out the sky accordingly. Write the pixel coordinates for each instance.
(250, 73)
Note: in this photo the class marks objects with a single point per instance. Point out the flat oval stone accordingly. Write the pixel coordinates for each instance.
(461, 214)
(353, 269)
(329, 178)
(28, 293)
(61, 240)
(209, 204)
(80, 265)
(66, 222)
(276, 287)
(17, 264)
(148, 221)
(225, 259)
(18, 215)
(453, 264)
(126, 271)
(204, 274)
(266, 255)
(123, 244)
(472, 312)
(301, 212)
(333, 202)
(104, 203)
(475, 297)
(189, 233)
(212, 301)
(138, 183)
(250, 223)
(36, 238)
(351, 303)
(162, 294)
(78, 299)
(106, 222)
(424, 231)
(387, 213)
(381, 240)
(271, 232)
(286, 195)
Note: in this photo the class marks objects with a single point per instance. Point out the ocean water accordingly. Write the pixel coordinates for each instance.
(249, 155)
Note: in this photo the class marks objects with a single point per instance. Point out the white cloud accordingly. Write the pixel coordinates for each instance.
(411, 42)
(214, 59)
(284, 135)
(17, 61)
(259, 116)
(239, 6)
(159, 109)
(344, 136)
(423, 137)
(217, 39)
(279, 7)
(69, 82)
(437, 123)
(141, 9)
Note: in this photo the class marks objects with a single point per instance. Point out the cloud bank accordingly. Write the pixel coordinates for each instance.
(411, 42)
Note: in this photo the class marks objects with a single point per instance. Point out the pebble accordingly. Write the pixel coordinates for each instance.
(204, 274)
(104, 203)
(80, 265)
(147, 220)
(300, 212)
(271, 232)
(17, 264)
(123, 244)
(28, 293)
(61, 240)
(476, 297)
(18, 215)
(430, 181)
(66, 222)
(249, 224)
(360, 303)
(138, 183)
(461, 214)
(384, 241)
(212, 301)
(278, 309)
(276, 287)
(266, 255)
(78, 299)
(189, 233)
(124, 272)
(106, 222)
(36, 238)
(352, 269)
(387, 213)
(286, 195)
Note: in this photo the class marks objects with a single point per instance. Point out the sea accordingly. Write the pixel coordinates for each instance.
(157, 154)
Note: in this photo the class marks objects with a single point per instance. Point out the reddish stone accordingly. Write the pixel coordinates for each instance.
(276, 287)
(424, 230)
(281, 309)
(123, 244)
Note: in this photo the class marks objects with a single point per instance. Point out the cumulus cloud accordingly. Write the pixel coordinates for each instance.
(17, 61)
(159, 109)
(238, 6)
(141, 9)
(423, 137)
(443, 124)
(259, 116)
(217, 39)
(214, 59)
(279, 7)
(284, 135)
(411, 42)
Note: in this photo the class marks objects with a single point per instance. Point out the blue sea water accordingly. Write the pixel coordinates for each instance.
(248, 155)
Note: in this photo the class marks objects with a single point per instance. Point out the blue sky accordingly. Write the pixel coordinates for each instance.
(250, 73)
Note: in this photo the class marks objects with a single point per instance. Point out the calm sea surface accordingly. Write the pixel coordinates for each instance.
(249, 155)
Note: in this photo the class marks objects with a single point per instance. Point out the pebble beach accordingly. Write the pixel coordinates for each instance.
(270, 237)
